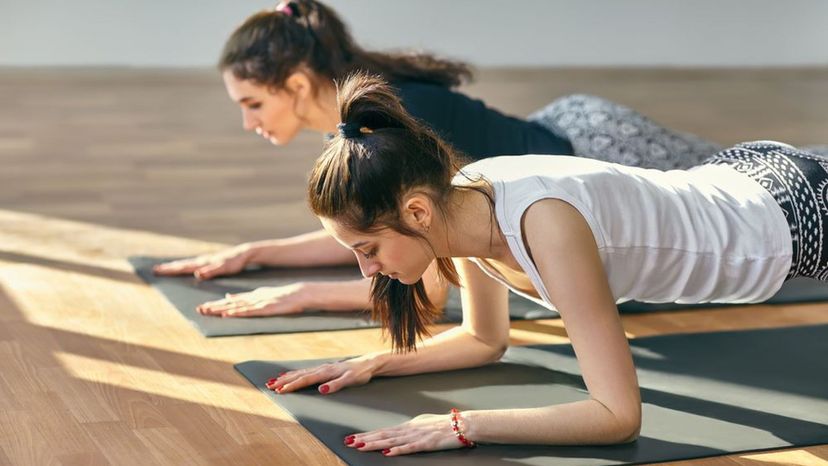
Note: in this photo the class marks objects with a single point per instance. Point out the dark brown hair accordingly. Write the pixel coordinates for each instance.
(360, 180)
(270, 45)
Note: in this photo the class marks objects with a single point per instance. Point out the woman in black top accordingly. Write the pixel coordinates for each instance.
(281, 65)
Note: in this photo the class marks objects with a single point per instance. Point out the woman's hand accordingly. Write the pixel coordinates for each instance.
(228, 262)
(426, 432)
(266, 301)
(330, 377)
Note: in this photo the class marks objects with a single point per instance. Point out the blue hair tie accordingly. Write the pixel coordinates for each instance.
(352, 130)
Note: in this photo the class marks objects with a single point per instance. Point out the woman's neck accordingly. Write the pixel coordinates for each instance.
(472, 229)
(324, 112)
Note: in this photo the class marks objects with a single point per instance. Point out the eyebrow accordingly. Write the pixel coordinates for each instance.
(356, 245)
(244, 100)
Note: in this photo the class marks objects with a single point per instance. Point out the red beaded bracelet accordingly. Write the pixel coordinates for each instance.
(455, 427)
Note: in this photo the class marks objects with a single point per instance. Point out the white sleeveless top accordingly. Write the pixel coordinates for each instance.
(708, 234)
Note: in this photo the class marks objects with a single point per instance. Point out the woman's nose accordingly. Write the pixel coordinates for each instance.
(249, 122)
(367, 267)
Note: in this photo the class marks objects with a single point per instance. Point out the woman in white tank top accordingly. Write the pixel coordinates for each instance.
(576, 234)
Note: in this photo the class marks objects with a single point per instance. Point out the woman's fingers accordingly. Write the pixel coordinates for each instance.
(408, 448)
(380, 439)
(347, 379)
(257, 310)
(222, 305)
(295, 380)
(320, 377)
(206, 266)
(234, 302)
(240, 311)
(179, 267)
(423, 433)
(214, 269)
(253, 310)
(276, 384)
(259, 302)
(388, 443)
(391, 441)
(241, 307)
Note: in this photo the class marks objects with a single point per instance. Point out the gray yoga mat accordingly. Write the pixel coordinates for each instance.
(185, 293)
(798, 290)
(703, 395)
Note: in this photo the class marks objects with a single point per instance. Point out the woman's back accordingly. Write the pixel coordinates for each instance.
(473, 128)
(699, 235)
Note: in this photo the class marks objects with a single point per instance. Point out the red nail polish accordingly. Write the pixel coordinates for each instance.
(270, 381)
(359, 445)
(278, 388)
(349, 440)
(386, 451)
(324, 389)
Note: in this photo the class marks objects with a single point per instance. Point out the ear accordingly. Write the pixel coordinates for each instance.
(299, 85)
(418, 211)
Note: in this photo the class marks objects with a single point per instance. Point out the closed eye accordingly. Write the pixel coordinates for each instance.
(255, 106)
(369, 254)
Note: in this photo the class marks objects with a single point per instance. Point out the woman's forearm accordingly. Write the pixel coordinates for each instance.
(577, 423)
(356, 294)
(453, 349)
(316, 248)
(351, 295)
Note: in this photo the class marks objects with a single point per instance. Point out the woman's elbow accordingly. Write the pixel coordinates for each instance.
(499, 350)
(631, 432)
(499, 344)
(490, 349)
(494, 351)
(627, 428)
(622, 423)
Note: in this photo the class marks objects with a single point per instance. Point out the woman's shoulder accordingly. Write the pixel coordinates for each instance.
(415, 88)
(516, 166)
(425, 96)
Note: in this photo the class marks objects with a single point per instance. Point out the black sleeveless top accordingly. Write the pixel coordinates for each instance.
(475, 129)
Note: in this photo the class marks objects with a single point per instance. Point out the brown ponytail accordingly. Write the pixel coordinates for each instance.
(270, 45)
(360, 180)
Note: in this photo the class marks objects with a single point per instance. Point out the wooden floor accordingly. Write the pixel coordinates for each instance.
(97, 165)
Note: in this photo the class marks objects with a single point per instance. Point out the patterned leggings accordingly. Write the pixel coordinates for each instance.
(605, 130)
(798, 181)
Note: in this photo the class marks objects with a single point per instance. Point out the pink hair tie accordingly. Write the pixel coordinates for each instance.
(286, 8)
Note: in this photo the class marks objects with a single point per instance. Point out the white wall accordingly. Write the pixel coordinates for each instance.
(708, 33)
